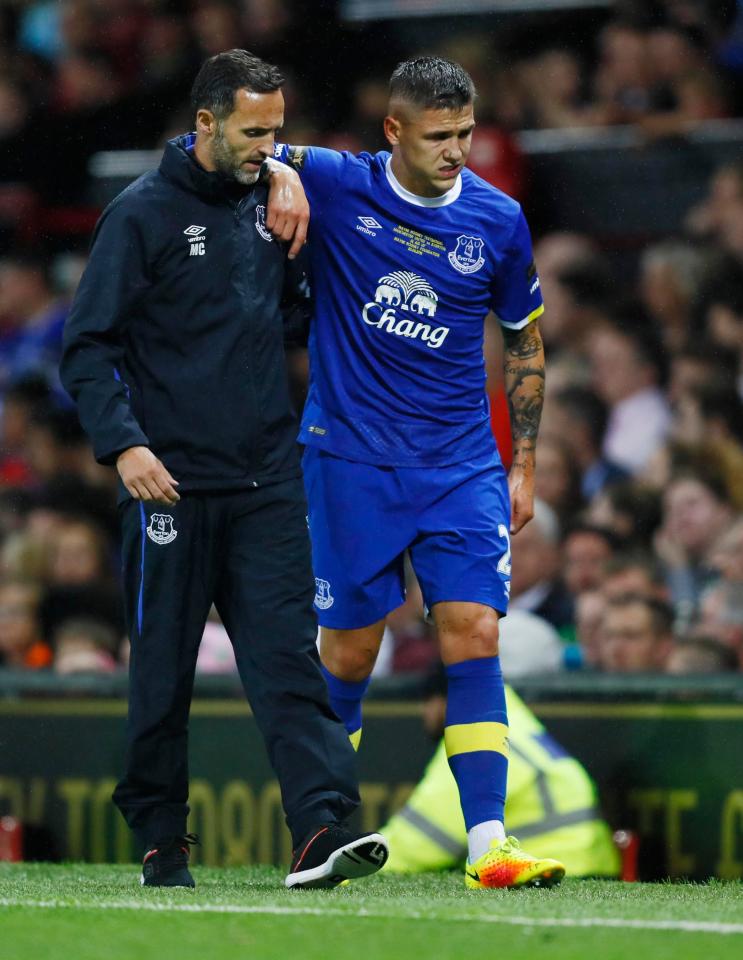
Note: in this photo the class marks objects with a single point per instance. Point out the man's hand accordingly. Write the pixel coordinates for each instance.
(288, 213)
(145, 477)
(521, 490)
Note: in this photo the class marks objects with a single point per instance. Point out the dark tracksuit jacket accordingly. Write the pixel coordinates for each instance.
(175, 341)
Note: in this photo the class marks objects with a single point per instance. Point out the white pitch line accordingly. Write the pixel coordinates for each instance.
(684, 926)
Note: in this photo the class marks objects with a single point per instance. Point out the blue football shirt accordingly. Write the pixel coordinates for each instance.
(402, 285)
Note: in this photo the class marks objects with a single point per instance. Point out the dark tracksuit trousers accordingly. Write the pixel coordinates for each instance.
(247, 552)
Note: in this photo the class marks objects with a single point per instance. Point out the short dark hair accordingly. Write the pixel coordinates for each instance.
(584, 404)
(724, 285)
(31, 391)
(221, 76)
(639, 560)
(589, 283)
(661, 613)
(721, 401)
(432, 83)
(612, 540)
(630, 320)
(707, 473)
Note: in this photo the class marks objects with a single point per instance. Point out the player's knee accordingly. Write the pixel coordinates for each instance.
(471, 639)
(347, 661)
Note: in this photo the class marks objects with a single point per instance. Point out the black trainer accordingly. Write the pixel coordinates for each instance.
(330, 854)
(166, 862)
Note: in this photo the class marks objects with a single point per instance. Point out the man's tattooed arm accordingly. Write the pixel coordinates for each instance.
(524, 378)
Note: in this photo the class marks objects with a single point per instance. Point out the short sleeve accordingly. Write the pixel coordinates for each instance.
(516, 295)
(320, 169)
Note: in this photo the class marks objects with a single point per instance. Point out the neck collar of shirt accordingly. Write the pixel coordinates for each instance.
(442, 201)
(180, 166)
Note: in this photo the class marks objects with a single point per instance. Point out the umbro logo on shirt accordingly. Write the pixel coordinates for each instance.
(368, 225)
(196, 237)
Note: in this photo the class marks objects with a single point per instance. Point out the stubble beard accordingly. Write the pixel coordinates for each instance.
(226, 162)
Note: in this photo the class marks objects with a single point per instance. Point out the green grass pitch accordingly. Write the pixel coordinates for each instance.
(99, 912)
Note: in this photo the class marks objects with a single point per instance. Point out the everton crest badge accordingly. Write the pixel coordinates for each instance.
(467, 256)
(161, 529)
(260, 222)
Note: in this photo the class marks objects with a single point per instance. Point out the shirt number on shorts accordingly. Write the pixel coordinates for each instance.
(504, 564)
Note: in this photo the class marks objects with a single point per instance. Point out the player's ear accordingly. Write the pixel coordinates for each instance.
(206, 123)
(392, 130)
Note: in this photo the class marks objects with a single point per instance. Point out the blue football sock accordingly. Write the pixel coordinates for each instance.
(476, 737)
(345, 699)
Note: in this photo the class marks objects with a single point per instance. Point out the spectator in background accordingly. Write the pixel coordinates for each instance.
(623, 81)
(68, 497)
(57, 447)
(32, 319)
(84, 646)
(687, 91)
(721, 605)
(166, 53)
(581, 299)
(696, 511)
(697, 363)
(626, 372)
(726, 555)
(535, 582)
(80, 576)
(637, 573)
(23, 400)
(631, 511)
(39, 29)
(586, 551)
(557, 479)
(590, 607)
(22, 644)
(578, 416)
(556, 252)
(20, 156)
(636, 635)
(710, 218)
(721, 616)
(697, 655)
(709, 417)
(556, 88)
(370, 96)
(723, 296)
(529, 646)
(24, 557)
(79, 556)
(216, 26)
(670, 275)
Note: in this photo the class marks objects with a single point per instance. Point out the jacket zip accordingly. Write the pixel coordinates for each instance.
(240, 207)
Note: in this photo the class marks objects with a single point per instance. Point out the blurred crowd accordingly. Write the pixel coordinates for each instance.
(82, 76)
(634, 560)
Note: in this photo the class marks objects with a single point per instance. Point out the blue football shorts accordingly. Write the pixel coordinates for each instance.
(453, 521)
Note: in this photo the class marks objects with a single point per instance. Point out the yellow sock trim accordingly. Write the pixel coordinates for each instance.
(355, 738)
(469, 737)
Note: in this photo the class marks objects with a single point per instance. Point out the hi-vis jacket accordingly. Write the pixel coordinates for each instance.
(550, 806)
(175, 339)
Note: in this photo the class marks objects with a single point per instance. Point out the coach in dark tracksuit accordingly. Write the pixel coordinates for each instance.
(174, 354)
